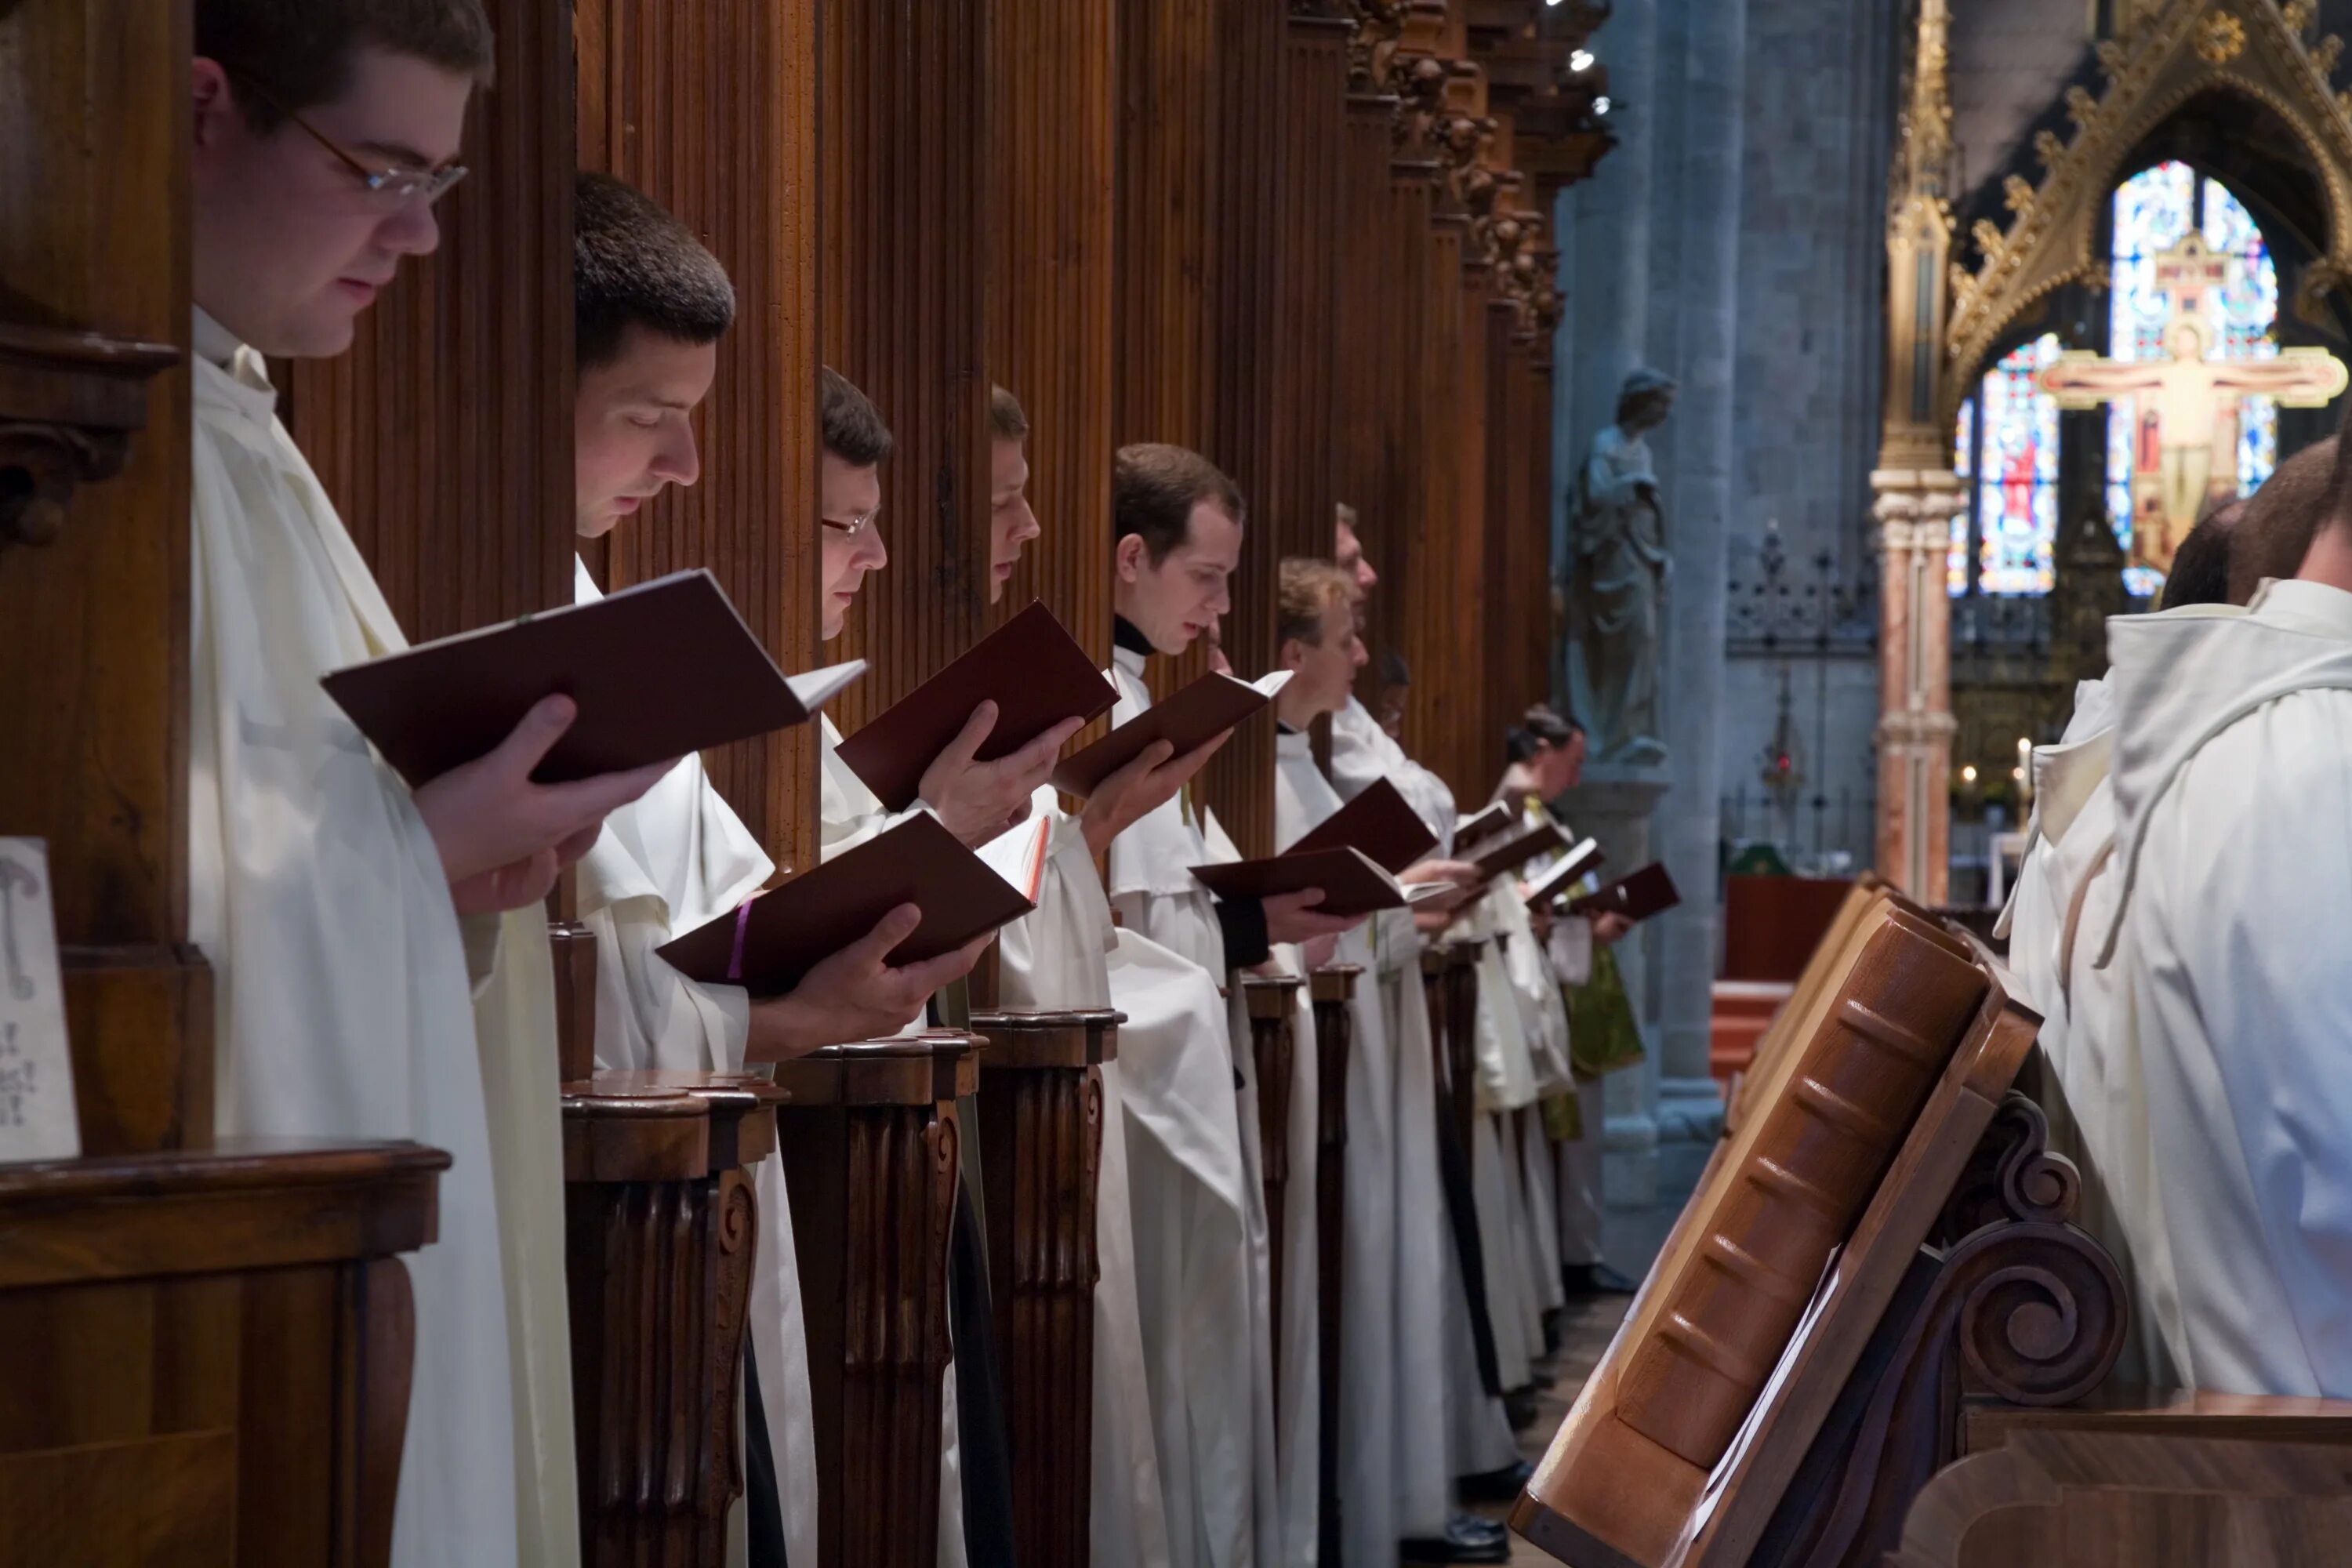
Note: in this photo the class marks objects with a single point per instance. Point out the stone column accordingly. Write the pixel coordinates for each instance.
(1699, 499)
(1914, 507)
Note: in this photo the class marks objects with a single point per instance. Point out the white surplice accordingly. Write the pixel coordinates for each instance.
(349, 1002)
(2232, 760)
(1437, 1369)
(1188, 1184)
(1054, 959)
(672, 860)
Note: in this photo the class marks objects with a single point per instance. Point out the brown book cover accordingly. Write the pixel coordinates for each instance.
(774, 939)
(1471, 831)
(659, 669)
(1637, 896)
(1031, 668)
(1585, 857)
(1191, 718)
(1515, 850)
(1377, 822)
(1351, 883)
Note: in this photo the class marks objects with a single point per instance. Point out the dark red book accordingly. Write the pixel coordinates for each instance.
(1511, 851)
(1351, 883)
(1637, 896)
(1187, 720)
(1576, 863)
(773, 940)
(658, 671)
(1380, 824)
(1031, 669)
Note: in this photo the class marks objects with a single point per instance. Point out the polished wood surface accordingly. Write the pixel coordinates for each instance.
(209, 1353)
(661, 1229)
(1273, 1005)
(711, 110)
(1334, 987)
(1041, 1127)
(870, 1144)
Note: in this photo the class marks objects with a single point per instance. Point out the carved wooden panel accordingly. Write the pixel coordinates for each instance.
(1274, 1047)
(1041, 1150)
(903, 140)
(1366, 379)
(712, 110)
(445, 433)
(660, 1229)
(869, 1141)
(1052, 76)
(1864, 1127)
(1334, 990)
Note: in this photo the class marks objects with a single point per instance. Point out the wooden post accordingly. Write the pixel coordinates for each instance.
(662, 1227)
(1334, 987)
(1041, 1158)
(1274, 1047)
(870, 1146)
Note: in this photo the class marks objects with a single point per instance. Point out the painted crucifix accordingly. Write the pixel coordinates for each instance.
(2185, 402)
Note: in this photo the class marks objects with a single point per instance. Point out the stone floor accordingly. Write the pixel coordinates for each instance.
(1584, 1334)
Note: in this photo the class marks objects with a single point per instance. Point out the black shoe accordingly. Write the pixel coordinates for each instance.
(1466, 1540)
(1495, 1486)
(1582, 1281)
(1519, 1406)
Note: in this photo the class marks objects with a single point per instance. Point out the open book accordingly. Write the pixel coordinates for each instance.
(1351, 882)
(1031, 669)
(1191, 718)
(659, 669)
(1572, 866)
(1637, 896)
(1377, 822)
(1471, 830)
(774, 939)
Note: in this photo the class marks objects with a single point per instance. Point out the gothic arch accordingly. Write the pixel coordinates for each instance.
(2252, 54)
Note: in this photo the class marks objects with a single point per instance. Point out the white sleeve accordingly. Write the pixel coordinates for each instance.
(1571, 949)
(647, 1014)
(1056, 956)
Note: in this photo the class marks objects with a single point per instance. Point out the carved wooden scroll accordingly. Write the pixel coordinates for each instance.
(1041, 1131)
(660, 1226)
(1334, 988)
(869, 1141)
(1747, 1330)
(1274, 1047)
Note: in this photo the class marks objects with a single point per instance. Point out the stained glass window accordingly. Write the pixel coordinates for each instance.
(2155, 209)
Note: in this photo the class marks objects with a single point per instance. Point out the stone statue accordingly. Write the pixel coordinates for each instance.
(1617, 578)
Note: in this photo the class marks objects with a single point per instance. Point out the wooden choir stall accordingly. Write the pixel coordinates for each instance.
(1875, 1335)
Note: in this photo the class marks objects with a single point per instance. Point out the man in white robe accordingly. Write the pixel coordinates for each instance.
(2234, 982)
(1317, 642)
(650, 304)
(1437, 1357)
(1176, 527)
(380, 957)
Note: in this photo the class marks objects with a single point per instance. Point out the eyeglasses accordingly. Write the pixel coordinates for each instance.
(853, 526)
(394, 184)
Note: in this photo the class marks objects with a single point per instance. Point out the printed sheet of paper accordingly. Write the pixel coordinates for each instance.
(36, 1092)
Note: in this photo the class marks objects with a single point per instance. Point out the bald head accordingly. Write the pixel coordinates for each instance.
(2282, 518)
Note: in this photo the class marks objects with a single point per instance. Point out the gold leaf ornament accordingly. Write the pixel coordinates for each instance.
(2220, 39)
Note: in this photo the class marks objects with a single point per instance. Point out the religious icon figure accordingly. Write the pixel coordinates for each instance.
(1618, 577)
(2185, 427)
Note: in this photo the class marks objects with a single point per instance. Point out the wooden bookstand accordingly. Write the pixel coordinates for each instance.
(661, 1225)
(1041, 1131)
(1334, 991)
(869, 1141)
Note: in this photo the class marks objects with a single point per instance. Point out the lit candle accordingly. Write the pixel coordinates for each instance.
(2024, 775)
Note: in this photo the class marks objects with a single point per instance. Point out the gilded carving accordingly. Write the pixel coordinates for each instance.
(2220, 39)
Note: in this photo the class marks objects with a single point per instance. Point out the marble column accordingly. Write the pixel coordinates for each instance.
(1914, 507)
(1700, 500)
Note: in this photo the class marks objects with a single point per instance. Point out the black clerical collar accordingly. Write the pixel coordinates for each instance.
(1126, 634)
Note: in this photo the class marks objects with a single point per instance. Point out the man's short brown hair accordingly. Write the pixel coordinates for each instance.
(2284, 516)
(854, 431)
(1309, 588)
(1154, 488)
(298, 52)
(635, 265)
(1007, 421)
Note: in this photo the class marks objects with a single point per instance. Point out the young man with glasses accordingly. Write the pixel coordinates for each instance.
(380, 955)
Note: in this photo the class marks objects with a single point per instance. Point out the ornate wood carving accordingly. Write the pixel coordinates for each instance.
(69, 403)
(1041, 1150)
(209, 1353)
(660, 1224)
(1274, 1047)
(712, 110)
(869, 1141)
(1867, 1117)
(1334, 987)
